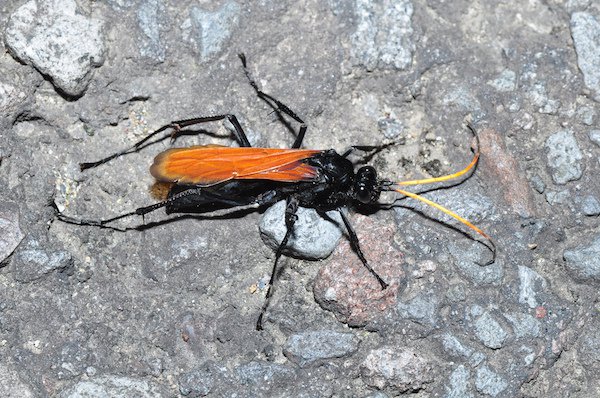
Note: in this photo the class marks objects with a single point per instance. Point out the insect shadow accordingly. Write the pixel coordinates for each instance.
(213, 178)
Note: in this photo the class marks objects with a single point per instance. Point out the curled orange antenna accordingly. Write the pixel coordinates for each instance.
(471, 166)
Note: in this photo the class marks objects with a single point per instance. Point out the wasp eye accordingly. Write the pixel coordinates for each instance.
(363, 195)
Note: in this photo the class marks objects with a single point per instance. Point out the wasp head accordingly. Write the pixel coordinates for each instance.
(366, 186)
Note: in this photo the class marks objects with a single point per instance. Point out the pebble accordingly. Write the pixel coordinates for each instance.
(53, 37)
(198, 382)
(454, 347)
(538, 184)
(558, 198)
(524, 325)
(113, 386)
(400, 370)
(314, 237)
(468, 259)
(259, 372)
(422, 309)
(530, 284)
(595, 136)
(583, 261)
(459, 383)
(151, 16)
(371, 47)
(10, 230)
(489, 331)
(209, 30)
(585, 30)
(564, 157)
(314, 346)
(590, 206)
(489, 382)
(33, 263)
(505, 82)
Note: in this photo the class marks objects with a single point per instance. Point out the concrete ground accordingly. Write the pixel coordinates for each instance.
(169, 310)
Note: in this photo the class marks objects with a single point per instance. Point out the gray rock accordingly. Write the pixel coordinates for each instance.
(33, 263)
(539, 97)
(390, 127)
(524, 325)
(585, 30)
(313, 237)
(11, 384)
(558, 198)
(586, 114)
(422, 309)
(396, 369)
(454, 347)
(489, 382)
(314, 346)
(10, 231)
(506, 81)
(456, 293)
(209, 30)
(258, 372)
(538, 184)
(114, 387)
(583, 262)
(595, 136)
(197, 383)
(383, 36)
(468, 261)
(459, 384)
(151, 16)
(489, 331)
(590, 206)
(564, 157)
(577, 5)
(531, 283)
(588, 345)
(58, 41)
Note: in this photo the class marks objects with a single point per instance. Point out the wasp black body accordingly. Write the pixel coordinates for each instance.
(208, 178)
(337, 185)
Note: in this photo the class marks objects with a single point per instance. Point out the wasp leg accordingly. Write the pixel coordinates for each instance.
(367, 148)
(354, 243)
(177, 125)
(141, 211)
(277, 106)
(239, 134)
(290, 220)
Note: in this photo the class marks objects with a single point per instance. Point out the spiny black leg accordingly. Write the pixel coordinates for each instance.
(290, 220)
(177, 125)
(277, 105)
(240, 136)
(139, 212)
(356, 247)
(134, 148)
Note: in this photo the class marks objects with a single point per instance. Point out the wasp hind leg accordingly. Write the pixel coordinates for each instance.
(140, 211)
(176, 126)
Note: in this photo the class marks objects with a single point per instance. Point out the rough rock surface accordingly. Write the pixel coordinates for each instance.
(169, 308)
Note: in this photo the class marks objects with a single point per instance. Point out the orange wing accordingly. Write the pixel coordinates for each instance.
(212, 164)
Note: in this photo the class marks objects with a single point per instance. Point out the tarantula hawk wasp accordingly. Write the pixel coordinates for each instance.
(208, 177)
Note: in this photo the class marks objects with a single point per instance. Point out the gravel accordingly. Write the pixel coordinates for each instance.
(169, 308)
